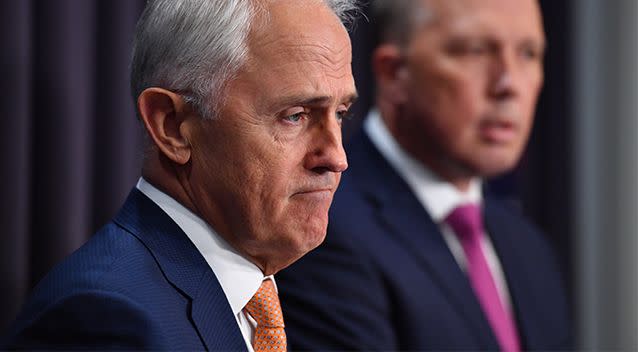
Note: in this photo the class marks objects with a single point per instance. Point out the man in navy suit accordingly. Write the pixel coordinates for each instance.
(417, 257)
(242, 102)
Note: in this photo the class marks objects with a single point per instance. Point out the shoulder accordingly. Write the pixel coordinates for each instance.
(101, 296)
(87, 319)
(534, 272)
(504, 215)
(522, 246)
(112, 257)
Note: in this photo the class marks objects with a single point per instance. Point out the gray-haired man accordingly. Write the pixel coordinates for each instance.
(242, 102)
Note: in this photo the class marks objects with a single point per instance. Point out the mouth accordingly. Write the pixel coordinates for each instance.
(498, 131)
(321, 192)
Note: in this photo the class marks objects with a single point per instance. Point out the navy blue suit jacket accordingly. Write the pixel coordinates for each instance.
(138, 283)
(384, 279)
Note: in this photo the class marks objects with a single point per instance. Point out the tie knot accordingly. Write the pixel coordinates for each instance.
(466, 221)
(265, 308)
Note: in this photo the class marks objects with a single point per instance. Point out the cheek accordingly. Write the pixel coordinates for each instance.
(269, 181)
(526, 129)
(453, 96)
(241, 171)
(455, 111)
(530, 98)
(529, 102)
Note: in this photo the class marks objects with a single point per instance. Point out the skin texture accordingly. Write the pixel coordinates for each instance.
(460, 94)
(263, 175)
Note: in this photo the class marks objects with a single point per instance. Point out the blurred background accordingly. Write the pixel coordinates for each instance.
(71, 145)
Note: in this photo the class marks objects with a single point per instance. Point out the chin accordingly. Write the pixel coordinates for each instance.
(313, 239)
(495, 168)
(311, 236)
(297, 248)
(491, 162)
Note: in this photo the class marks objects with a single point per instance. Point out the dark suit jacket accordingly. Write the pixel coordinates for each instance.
(384, 279)
(138, 283)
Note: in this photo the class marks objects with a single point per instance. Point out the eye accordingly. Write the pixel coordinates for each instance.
(344, 115)
(476, 49)
(530, 53)
(467, 47)
(294, 118)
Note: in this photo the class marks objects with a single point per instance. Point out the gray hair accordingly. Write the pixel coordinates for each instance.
(395, 20)
(194, 47)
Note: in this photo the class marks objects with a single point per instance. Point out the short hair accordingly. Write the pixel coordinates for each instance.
(194, 47)
(395, 20)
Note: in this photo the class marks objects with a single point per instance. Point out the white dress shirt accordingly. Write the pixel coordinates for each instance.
(438, 197)
(240, 278)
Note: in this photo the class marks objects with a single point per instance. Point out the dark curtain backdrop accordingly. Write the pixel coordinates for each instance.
(71, 145)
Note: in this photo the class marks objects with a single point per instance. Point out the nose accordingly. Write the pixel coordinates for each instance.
(326, 148)
(502, 85)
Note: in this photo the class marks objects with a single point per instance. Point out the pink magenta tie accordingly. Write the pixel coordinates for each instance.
(264, 307)
(467, 223)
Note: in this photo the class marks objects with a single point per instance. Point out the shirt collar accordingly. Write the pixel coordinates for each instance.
(437, 196)
(240, 278)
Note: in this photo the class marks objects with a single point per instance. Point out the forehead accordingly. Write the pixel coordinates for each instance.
(506, 18)
(300, 28)
(299, 41)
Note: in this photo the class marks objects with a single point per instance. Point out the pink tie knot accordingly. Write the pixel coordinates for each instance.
(466, 221)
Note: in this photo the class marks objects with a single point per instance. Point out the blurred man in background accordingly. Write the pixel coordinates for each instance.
(417, 256)
(242, 102)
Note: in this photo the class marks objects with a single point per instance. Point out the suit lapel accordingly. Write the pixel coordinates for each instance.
(185, 268)
(506, 236)
(409, 222)
(218, 334)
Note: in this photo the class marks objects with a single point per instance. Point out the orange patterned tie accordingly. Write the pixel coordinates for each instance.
(264, 307)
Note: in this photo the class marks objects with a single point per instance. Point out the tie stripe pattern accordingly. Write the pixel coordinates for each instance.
(467, 223)
(265, 308)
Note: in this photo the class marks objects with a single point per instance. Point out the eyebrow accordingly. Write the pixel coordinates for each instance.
(540, 44)
(304, 100)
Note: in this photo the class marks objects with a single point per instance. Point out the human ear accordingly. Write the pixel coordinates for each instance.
(163, 113)
(390, 72)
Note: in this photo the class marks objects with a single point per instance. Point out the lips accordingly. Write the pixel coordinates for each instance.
(324, 183)
(499, 131)
(318, 193)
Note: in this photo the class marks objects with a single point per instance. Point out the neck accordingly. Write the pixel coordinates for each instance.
(162, 174)
(445, 168)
